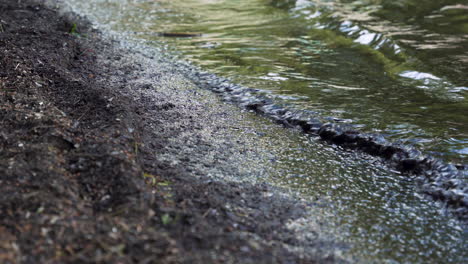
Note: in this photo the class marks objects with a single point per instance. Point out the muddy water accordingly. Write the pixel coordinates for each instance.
(354, 62)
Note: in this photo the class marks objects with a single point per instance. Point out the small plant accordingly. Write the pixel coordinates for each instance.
(74, 29)
(135, 148)
(153, 180)
(166, 219)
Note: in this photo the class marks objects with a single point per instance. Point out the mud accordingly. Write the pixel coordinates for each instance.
(86, 174)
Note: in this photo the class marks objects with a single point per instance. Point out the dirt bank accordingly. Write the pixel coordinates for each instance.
(84, 171)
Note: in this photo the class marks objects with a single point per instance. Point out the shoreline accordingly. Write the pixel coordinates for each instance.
(438, 180)
(111, 154)
(86, 167)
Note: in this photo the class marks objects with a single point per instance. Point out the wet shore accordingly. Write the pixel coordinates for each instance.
(114, 154)
(86, 169)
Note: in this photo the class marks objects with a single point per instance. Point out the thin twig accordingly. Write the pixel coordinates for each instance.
(84, 113)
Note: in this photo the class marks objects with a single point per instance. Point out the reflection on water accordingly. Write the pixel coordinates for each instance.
(394, 67)
(378, 64)
(378, 212)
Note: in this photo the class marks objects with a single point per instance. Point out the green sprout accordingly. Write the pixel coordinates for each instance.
(166, 219)
(74, 29)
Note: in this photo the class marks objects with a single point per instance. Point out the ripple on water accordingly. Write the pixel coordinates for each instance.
(382, 75)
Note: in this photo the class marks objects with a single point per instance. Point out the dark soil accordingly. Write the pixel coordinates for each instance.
(80, 179)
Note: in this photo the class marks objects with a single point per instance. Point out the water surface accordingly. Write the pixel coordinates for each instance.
(393, 67)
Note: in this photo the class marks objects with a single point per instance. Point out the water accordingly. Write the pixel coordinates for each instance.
(402, 74)
(377, 211)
